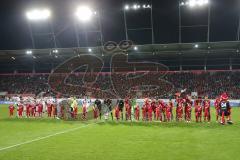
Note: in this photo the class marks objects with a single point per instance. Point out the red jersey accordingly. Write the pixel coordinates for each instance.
(168, 112)
(28, 108)
(198, 109)
(84, 109)
(179, 106)
(150, 109)
(168, 109)
(49, 108)
(11, 108)
(20, 108)
(171, 105)
(158, 109)
(153, 105)
(54, 108)
(216, 104)
(126, 102)
(117, 111)
(40, 108)
(206, 105)
(137, 109)
(197, 101)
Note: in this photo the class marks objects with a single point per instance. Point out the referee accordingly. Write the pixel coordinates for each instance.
(121, 106)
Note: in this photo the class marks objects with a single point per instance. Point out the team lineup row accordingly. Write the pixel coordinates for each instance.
(126, 109)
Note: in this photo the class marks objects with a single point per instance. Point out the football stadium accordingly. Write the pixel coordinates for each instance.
(119, 79)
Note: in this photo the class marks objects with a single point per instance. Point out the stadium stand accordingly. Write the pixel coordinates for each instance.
(205, 83)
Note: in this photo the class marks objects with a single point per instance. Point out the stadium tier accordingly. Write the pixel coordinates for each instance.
(109, 85)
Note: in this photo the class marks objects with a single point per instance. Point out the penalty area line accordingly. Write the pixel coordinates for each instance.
(45, 137)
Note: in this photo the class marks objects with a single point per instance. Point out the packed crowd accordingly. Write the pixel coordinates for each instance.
(104, 85)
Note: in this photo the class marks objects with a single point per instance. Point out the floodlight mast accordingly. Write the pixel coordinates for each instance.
(38, 15)
(85, 14)
(136, 7)
(194, 4)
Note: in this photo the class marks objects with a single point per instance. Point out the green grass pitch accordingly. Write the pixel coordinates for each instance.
(117, 141)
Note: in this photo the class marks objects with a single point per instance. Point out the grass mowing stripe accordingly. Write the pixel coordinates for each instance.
(45, 137)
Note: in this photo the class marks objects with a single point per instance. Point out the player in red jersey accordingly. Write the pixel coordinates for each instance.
(206, 109)
(153, 105)
(170, 103)
(49, 109)
(159, 112)
(20, 110)
(75, 112)
(128, 108)
(217, 108)
(198, 112)
(168, 113)
(28, 110)
(179, 109)
(11, 110)
(54, 109)
(188, 109)
(33, 110)
(117, 113)
(137, 112)
(144, 112)
(126, 105)
(40, 109)
(150, 111)
(95, 112)
(84, 111)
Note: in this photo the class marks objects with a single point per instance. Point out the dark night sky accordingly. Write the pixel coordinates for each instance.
(14, 33)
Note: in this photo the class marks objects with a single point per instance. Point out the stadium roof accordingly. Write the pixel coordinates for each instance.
(195, 48)
(186, 56)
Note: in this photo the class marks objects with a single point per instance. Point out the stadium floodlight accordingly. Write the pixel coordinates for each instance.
(126, 7)
(194, 3)
(135, 7)
(89, 50)
(182, 3)
(84, 13)
(135, 48)
(28, 52)
(55, 51)
(38, 14)
(196, 46)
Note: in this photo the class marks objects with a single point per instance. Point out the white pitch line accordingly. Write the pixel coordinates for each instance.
(45, 137)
